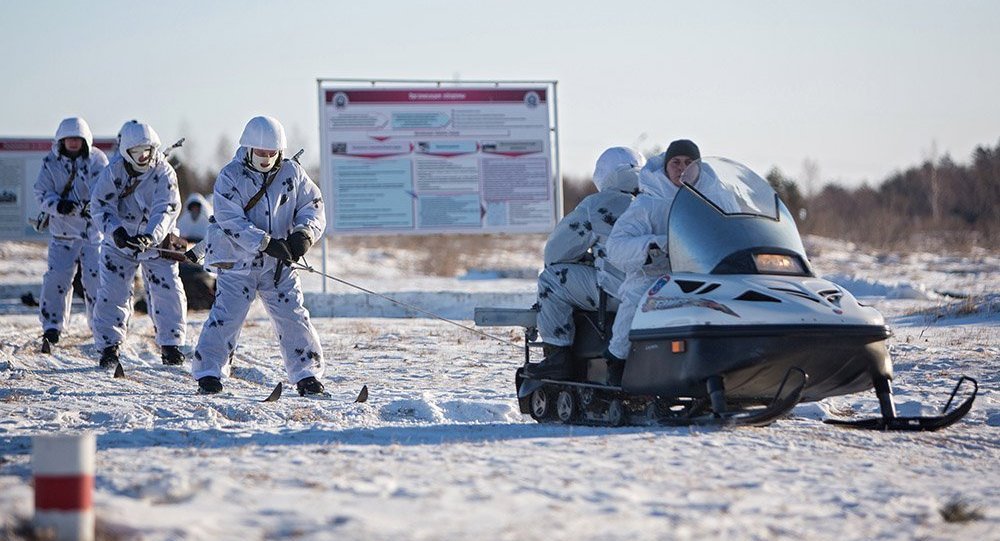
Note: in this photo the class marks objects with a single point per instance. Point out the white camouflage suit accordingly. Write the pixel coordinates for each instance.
(576, 265)
(645, 222)
(234, 248)
(75, 239)
(152, 208)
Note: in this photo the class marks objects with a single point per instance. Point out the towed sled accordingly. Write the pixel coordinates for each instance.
(738, 333)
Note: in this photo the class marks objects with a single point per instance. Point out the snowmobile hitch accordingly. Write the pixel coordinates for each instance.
(890, 421)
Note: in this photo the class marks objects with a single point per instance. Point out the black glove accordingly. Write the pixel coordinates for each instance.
(121, 237)
(140, 242)
(191, 256)
(65, 206)
(278, 249)
(298, 244)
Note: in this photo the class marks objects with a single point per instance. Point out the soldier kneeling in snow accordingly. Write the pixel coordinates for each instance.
(268, 212)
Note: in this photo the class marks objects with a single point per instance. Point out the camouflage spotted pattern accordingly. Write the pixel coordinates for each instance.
(299, 342)
(167, 304)
(234, 246)
(151, 208)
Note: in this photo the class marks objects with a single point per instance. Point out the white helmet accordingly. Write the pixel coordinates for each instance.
(264, 140)
(265, 133)
(618, 169)
(138, 143)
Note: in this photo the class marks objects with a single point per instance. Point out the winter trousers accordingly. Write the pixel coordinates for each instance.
(165, 295)
(632, 291)
(234, 291)
(57, 284)
(562, 288)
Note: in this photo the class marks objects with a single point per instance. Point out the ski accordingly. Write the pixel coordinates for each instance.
(917, 424)
(361, 398)
(275, 394)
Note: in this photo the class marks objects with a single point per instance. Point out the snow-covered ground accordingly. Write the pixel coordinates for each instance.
(439, 451)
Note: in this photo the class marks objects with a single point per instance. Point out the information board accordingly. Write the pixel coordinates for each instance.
(20, 161)
(422, 160)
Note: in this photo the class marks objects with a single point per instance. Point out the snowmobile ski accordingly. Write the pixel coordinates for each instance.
(889, 421)
(119, 371)
(362, 395)
(781, 405)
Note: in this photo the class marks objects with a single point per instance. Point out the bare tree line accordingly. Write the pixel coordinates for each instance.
(939, 204)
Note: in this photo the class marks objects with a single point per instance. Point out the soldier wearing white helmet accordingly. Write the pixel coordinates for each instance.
(63, 191)
(268, 213)
(136, 203)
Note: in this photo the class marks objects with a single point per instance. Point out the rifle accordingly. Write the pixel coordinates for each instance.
(41, 223)
(197, 252)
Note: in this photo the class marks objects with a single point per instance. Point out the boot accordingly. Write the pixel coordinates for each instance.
(209, 385)
(109, 357)
(554, 366)
(309, 385)
(171, 355)
(616, 367)
(51, 335)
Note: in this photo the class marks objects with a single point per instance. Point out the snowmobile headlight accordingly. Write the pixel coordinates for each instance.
(778, 264)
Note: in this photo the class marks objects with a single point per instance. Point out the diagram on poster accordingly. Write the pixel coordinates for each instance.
(437, 160)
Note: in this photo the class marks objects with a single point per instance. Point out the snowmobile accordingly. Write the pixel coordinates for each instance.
(738, 333)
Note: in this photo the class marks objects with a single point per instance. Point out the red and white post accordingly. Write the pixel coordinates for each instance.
(63, 467)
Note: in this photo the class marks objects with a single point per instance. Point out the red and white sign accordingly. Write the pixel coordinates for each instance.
(438, 159)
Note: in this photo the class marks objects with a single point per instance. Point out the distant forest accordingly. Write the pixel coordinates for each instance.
(932, 206)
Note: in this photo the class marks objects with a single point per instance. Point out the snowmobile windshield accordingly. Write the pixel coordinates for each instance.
(726, 219)
(732, 187)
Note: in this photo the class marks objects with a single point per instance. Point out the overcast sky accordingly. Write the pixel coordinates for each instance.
(861, 87)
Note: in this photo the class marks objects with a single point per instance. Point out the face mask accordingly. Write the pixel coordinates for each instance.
(141, 157)
(263, 160)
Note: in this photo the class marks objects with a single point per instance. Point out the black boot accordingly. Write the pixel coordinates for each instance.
(616, 367)
(171, 355)
(309, 385)
(51, 335)
(109, 357)
(554, 366)
(209, 385)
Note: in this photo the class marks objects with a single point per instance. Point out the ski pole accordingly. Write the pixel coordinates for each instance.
(309, 268)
